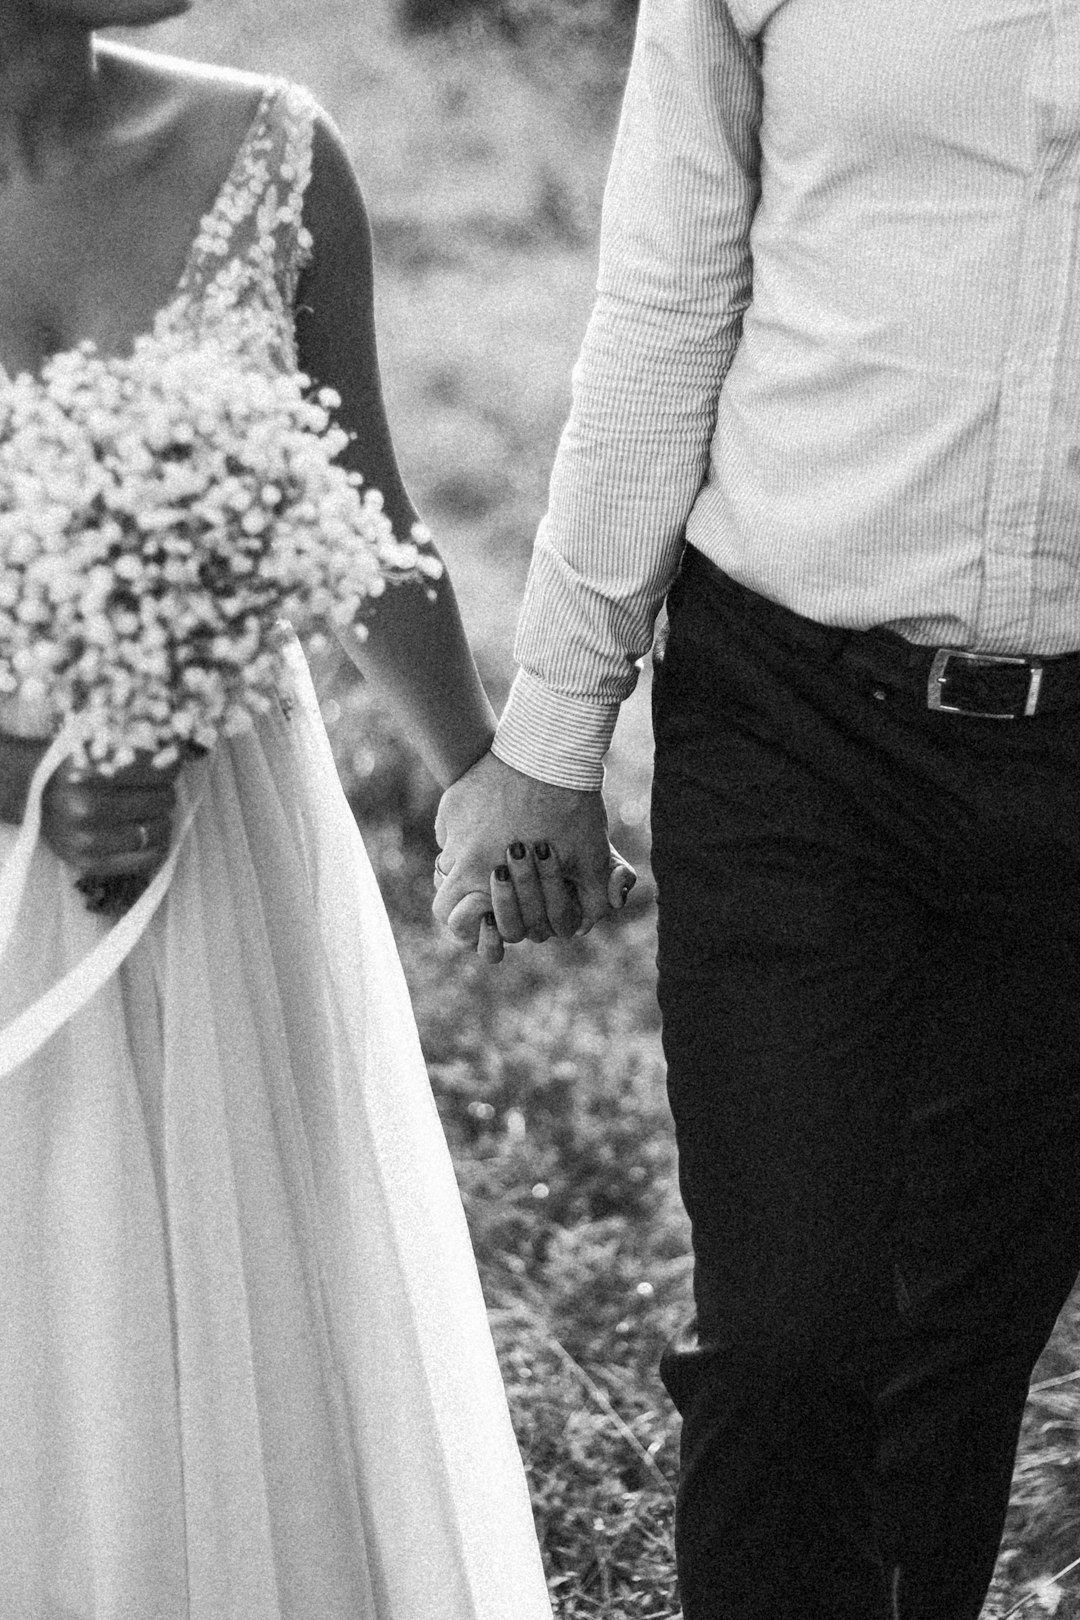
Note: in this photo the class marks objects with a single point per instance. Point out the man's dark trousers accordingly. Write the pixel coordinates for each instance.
(870, 984)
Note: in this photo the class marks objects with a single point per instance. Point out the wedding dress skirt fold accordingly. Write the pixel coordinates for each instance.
(245, 1367)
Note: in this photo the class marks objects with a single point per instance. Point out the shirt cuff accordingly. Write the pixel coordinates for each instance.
(558, 739)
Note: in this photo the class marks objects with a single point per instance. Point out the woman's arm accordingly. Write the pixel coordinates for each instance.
(415, 654)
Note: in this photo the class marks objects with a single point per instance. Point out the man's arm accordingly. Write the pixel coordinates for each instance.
(674, 279)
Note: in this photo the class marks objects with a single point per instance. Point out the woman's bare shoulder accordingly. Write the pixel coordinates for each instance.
(193, 113)
(177, 89)
(154, 72)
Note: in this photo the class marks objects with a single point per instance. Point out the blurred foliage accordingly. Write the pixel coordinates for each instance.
(549, 1080)
(550, 1084)
(604, 23)
(1042, 1534)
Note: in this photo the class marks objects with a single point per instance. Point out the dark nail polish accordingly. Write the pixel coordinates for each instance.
(517, 852)
(502, 874)
(543, 850)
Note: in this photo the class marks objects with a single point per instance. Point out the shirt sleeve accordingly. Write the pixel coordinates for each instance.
(674, 279)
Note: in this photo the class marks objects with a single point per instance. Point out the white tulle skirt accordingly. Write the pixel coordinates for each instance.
(245, 1368)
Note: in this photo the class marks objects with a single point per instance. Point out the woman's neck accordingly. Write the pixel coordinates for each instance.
(48, 91)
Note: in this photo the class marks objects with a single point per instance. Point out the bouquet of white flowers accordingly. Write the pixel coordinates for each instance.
(160, 515)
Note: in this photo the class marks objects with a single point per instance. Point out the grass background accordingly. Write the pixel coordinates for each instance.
(482, 153)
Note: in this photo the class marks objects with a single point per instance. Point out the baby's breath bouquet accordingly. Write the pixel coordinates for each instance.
(160, 515)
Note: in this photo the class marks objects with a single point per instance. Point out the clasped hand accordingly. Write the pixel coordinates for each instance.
(523, 859)
(111, 826)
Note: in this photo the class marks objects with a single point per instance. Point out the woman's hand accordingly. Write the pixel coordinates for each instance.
(111, 826)
(532, 899)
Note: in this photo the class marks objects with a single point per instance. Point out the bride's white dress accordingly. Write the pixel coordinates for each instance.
(245, 1369)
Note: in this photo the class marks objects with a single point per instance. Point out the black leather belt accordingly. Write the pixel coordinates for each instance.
(950, 680)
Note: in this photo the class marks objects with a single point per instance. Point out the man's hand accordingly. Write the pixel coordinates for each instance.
(521, 858)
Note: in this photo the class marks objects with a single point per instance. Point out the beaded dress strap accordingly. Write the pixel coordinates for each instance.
(253, 239)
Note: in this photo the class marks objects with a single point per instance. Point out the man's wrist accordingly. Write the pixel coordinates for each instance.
(554, 738)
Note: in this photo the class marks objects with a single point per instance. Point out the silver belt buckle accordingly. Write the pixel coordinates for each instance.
(939, 674)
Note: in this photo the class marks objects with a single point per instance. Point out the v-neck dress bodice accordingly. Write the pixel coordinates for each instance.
(245, 1367)
(251, 245)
